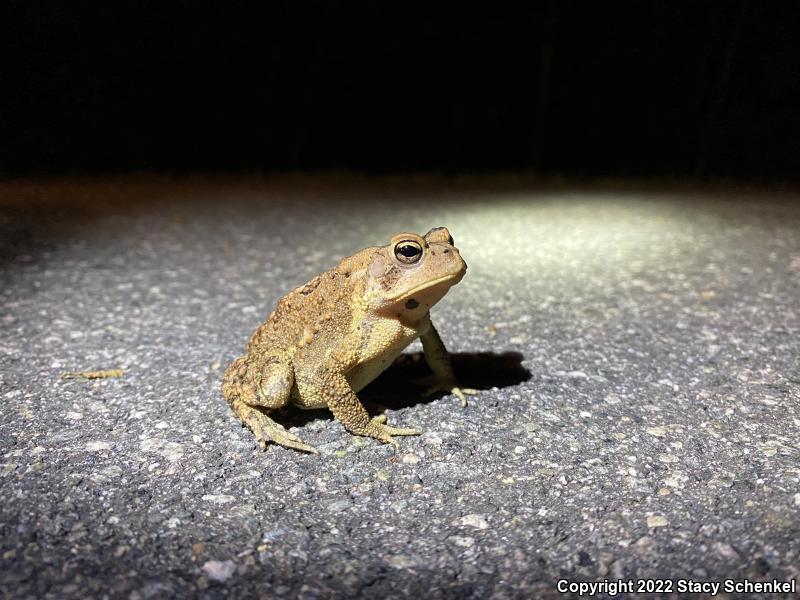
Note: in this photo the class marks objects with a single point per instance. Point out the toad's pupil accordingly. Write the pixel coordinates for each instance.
(409, 251)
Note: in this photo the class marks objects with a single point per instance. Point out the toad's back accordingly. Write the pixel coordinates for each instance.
(309, 315)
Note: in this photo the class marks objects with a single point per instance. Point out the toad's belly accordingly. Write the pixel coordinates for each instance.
(361, 375)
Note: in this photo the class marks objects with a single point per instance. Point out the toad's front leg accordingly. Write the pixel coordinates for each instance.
(346, 407)
(438, 360)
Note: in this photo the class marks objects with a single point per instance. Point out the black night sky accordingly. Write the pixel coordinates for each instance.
(684, 89)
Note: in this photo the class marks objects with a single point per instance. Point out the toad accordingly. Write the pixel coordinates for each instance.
(329, 338)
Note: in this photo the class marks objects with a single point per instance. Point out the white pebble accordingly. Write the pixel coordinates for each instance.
(473, 520)
(219, 570)
(657, 521)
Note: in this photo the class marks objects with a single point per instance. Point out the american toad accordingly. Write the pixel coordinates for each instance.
(329, 338)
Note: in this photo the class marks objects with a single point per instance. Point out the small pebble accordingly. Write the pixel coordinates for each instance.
(463, 541)
(657, 521)
(339, 505)
(473, 520)
(218, 498)
(219, 570)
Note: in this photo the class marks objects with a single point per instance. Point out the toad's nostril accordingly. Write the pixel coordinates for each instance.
(446, 251)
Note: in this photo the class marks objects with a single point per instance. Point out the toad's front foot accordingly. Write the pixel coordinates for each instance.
(378, 429)
(449, 386)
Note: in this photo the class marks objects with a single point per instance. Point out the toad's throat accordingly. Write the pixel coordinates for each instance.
(455, 278)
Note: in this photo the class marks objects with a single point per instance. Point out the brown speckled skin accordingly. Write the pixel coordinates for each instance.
(329, 338)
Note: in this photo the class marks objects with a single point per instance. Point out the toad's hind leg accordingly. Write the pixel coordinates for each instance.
(253, 389)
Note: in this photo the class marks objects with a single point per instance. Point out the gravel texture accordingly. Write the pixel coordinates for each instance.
(639, 352)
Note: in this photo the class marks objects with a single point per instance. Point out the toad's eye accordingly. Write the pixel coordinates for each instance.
(408, 251)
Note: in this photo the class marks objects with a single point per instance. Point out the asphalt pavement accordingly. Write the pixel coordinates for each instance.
(637, 348)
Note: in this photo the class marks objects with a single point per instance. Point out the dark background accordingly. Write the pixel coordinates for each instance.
(686, 89)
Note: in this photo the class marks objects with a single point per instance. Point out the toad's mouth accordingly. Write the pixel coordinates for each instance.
(446, 279)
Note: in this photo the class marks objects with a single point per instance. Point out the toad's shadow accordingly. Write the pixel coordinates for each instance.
(396, 387)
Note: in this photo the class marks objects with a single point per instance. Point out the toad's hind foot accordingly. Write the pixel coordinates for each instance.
(266, 430)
